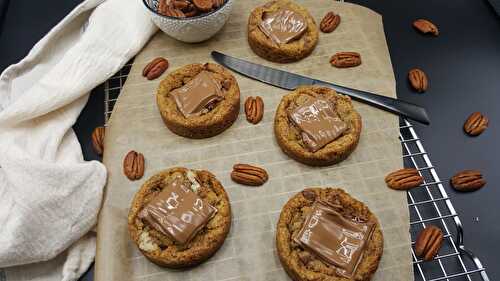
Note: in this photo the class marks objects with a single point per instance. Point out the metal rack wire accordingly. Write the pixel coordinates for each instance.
(428, 204)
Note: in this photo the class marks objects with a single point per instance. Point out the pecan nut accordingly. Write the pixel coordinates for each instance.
(418, 80)
(155, 68)
(203, 5)
(217, 3)
(167, 8)
(426, 27)
(181, 4)
(249, 175)
(98, 140)
(468, 180)
(428, 242)
(309, 194)
(476, 124)
(254, 109)
(133, 165)
(345, 59)
(404, 179)
(330, 22)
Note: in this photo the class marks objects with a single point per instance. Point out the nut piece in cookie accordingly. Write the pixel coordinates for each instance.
(282, 31)
(325, 234)
(316, 126)
(199, 101)
(180, 217)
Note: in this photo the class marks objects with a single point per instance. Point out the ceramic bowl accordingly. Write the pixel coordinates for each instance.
(192, 29)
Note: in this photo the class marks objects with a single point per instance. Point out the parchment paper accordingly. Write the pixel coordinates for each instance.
(249, 252)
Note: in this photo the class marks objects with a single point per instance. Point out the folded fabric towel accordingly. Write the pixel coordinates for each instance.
(50, 196)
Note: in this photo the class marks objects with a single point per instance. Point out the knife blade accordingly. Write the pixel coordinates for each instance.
(290, 81)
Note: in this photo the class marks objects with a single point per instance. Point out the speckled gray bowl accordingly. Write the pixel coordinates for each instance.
(193, 29)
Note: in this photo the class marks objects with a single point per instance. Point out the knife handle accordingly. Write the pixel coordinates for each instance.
(405, 109)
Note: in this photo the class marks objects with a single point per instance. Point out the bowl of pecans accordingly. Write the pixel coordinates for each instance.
(189, 20)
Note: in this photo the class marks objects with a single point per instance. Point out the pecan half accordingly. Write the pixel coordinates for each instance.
(418, 80)
(428, 242)
(476, 124)
(249, 175)
(404, 179)
(133, 165)
(426, 26)
(180, 4)
(330, 22)
(217, 3)
(468, 180)
(254, 109)
(345, 59)
(155, 68)
(203, 5)
(309, 194)
(98, 140)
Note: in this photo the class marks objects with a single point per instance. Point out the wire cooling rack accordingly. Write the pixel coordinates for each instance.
(428, 204)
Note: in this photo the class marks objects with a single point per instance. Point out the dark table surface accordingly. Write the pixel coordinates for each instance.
(462, 65)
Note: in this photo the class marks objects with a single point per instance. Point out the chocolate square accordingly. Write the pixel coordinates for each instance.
(318, 122)
(178, 212)
(336, 240)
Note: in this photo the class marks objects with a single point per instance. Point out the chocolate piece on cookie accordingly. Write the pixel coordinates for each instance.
(317, 126)
(180, 217)
(282, 31)
(199, 101)
(332, 237)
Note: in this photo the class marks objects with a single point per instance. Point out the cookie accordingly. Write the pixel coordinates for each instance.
(306, 142)
(199, 100)
(299, 242)
(282, 31)
(180, 217)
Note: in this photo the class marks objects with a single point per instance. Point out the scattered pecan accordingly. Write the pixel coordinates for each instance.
(428, 242)
(425, 27)
(329, 22)
(155, 68)
(476, 124)
(249, 175)
(309, 194)
(404, 179)
(98, 140)
(254, 109)
(133, 165)
(218, 3)
(203, 5)
(418, 80)
(345, 59)
(468, 180)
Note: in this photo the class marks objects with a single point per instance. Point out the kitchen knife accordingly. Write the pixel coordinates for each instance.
(291, 81)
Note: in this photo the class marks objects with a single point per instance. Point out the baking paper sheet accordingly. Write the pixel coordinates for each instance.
(249, 252)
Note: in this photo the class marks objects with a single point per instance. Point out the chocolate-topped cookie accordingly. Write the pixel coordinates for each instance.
(282, 31)
(317, 126)
(325, 234)
(180, 217)
(199, 100)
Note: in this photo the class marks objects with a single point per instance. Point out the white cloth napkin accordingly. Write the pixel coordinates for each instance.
(49, 196)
